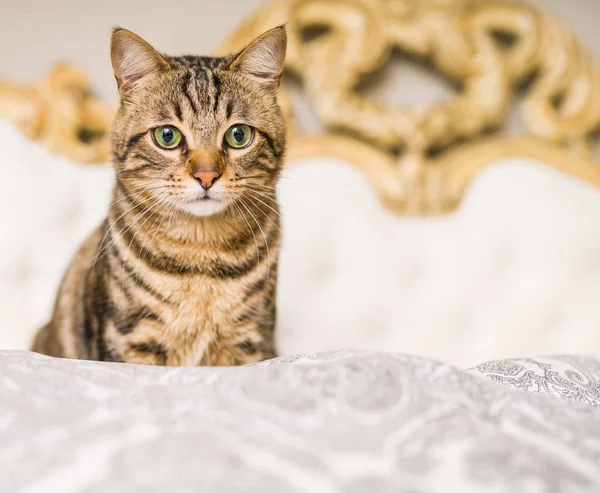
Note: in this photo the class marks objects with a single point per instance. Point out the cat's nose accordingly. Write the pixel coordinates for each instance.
(206, 177)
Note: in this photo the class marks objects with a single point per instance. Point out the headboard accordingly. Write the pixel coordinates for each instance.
(513, 271)
(499, 55)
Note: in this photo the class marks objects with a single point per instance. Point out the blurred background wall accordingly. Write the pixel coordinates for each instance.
(36, 33)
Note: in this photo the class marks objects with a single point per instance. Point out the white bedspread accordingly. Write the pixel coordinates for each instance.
(326, 423)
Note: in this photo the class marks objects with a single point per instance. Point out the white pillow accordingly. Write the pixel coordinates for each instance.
(515, 272)
(48, 205)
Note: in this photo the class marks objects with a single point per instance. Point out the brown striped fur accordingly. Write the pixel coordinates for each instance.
(169, 278)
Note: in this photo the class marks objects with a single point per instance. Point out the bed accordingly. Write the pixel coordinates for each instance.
(431, 253)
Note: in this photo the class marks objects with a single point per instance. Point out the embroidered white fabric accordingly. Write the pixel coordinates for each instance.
(515, 272)
(324, 423)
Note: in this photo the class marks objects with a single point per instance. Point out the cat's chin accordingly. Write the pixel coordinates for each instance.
(203, 208)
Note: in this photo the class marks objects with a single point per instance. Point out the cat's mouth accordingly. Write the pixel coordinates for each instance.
(203, 204)
(203, 196)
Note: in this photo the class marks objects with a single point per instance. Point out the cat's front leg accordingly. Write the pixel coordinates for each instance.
(141, 345)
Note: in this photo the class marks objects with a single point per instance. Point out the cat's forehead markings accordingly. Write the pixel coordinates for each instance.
(198, 61)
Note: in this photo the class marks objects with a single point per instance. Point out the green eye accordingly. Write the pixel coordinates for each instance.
(167, 137)
(239, 136)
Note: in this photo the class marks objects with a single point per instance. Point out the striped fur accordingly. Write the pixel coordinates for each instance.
(156, 283)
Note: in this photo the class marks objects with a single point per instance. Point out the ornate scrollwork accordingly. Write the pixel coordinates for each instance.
(61, 112)
(489, 49)
(419, 159)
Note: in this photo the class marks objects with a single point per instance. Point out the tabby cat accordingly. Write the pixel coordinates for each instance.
(183, 271)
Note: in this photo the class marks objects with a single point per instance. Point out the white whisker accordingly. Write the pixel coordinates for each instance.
(249, 228)
(264, 236)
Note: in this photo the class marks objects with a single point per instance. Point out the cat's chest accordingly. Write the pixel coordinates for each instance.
(198, 321)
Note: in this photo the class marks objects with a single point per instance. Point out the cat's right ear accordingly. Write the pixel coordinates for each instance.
(262, 60)
(133, 59)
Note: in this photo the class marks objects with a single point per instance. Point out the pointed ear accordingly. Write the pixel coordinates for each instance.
(262, 60)
(133, 59)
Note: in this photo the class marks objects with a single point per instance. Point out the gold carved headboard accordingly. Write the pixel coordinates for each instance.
(418, 159)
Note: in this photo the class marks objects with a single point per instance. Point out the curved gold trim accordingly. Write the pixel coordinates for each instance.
(460, 166)
(442, 187)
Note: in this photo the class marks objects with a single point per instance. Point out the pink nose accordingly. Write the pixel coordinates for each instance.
(206, 177)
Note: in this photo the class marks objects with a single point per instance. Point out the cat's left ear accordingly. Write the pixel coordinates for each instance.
(262, 60)
(133, 60)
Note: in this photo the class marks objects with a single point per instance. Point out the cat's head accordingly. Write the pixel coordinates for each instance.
(198, 134)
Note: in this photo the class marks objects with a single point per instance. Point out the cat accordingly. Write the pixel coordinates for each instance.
(183, 271)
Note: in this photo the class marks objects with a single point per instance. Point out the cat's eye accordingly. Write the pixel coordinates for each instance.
(167, 137)
(239, 136)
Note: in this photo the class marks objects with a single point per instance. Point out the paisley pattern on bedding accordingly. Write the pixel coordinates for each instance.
(330, 422)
